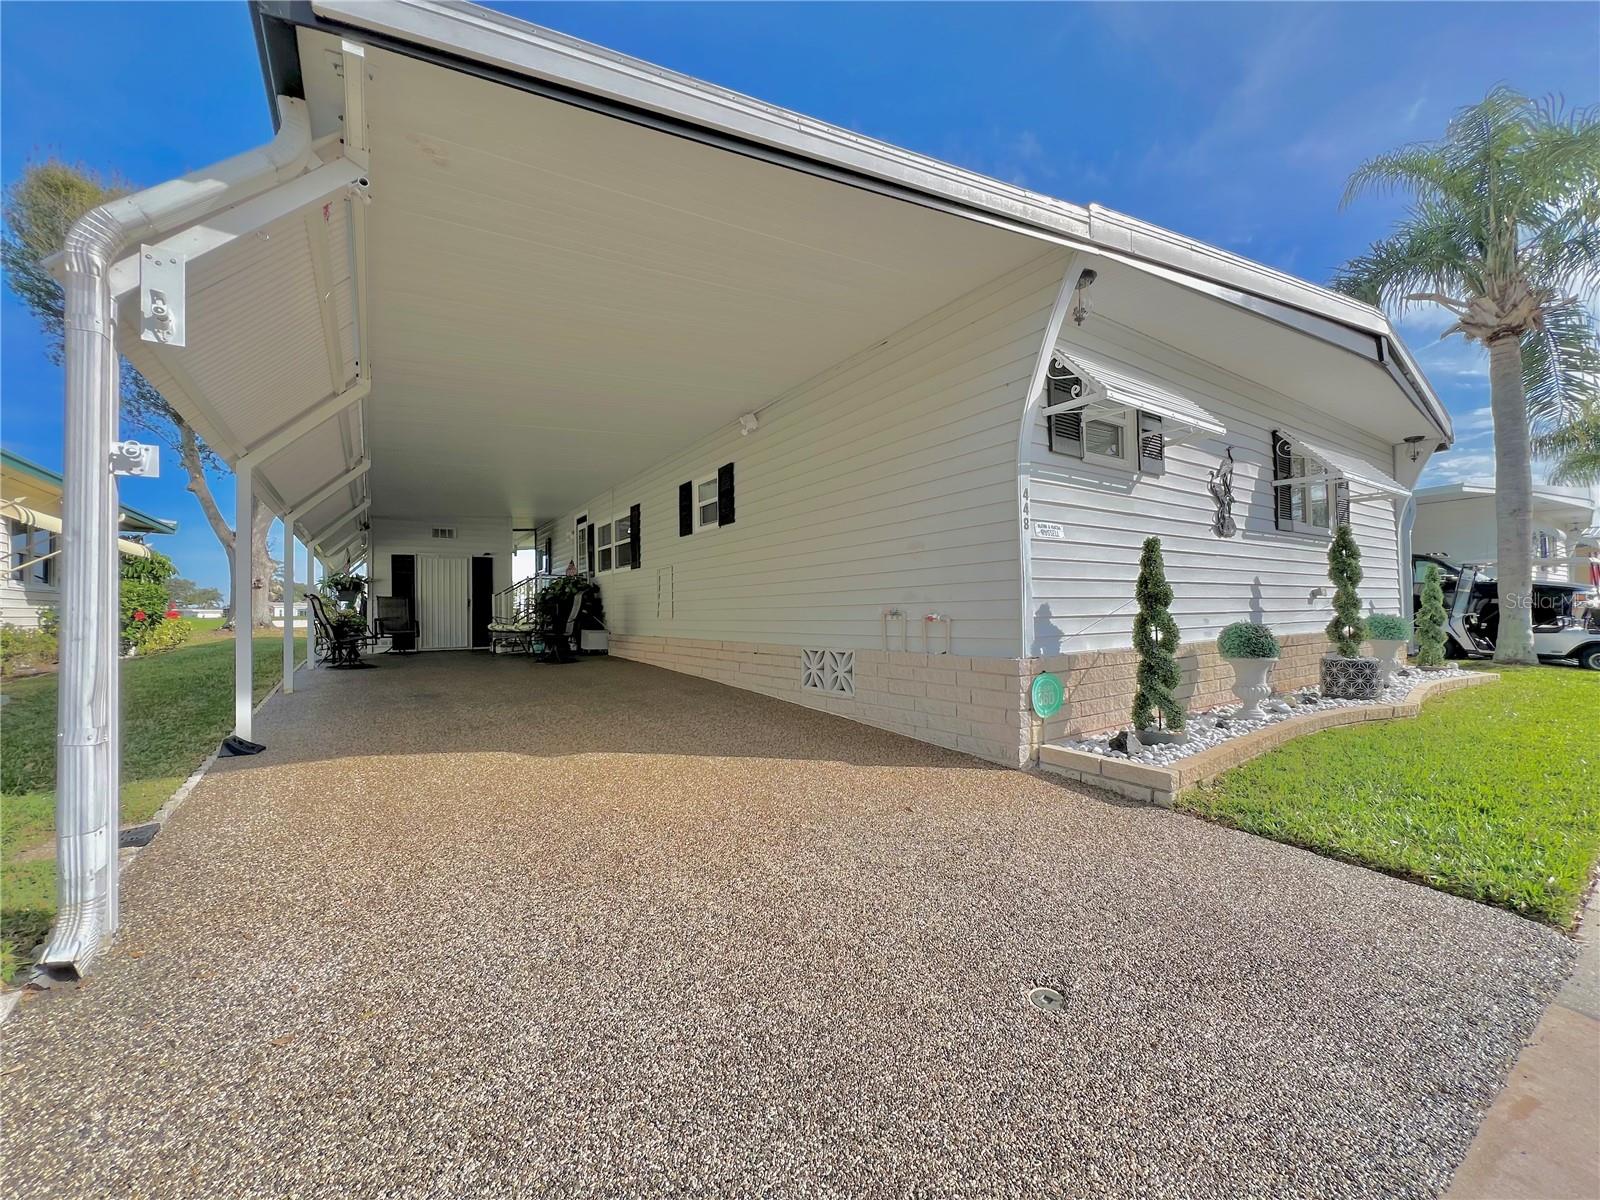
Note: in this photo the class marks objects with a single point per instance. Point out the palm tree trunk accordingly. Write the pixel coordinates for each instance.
(1513, 492)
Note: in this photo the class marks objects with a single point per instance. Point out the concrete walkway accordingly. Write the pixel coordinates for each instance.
(1541, 1140)
(477, 927)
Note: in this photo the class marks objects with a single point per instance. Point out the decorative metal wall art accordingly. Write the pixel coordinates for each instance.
(1219, 482)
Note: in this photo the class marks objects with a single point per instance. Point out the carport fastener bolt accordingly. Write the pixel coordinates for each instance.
(1047, 999)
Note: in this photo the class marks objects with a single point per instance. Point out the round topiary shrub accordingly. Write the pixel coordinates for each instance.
(1246, 639)
(1384, 627)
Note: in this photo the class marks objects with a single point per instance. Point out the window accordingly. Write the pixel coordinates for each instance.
(624, 544)
(705, 503)
(581, 535)
(1105, 439)
(602, 541)
(706, 513)
(27, 545)
(1308, 496)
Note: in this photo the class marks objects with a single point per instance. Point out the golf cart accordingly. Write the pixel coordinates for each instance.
(1566, 623)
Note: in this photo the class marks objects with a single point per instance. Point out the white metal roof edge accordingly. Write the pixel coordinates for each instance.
(1545, 494)
(474, 35)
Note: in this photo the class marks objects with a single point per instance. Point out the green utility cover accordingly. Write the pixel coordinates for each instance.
(1047, 695)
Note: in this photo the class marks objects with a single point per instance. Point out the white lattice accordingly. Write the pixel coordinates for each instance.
(828, 671)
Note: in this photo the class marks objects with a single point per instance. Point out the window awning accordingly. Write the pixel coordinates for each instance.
(1366, 481)
(38, 520)
(1182, 419)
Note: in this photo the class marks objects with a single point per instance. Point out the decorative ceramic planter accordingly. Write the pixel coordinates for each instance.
(1250, 685)
(1351, 678)
(348, 595)
(1391, 656)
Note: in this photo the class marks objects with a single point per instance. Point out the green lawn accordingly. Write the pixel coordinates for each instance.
(176, 707)
(1492, 793)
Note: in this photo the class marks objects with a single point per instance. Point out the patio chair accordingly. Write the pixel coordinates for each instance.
(558, 640)
(340, 644)
(395, 619)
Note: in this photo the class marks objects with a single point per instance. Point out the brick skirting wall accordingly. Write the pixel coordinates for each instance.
(1100, 683)
(976, 705)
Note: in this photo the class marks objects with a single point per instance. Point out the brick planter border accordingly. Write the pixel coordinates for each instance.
(1163, 785)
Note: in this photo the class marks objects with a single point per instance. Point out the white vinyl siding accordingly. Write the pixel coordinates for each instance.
(886, 482)
(1082, 587)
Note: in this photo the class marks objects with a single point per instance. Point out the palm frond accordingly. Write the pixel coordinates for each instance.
(1575, 447)
(1561, 369)
(1426, 253)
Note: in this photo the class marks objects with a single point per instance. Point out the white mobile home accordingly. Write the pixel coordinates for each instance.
(825, 419)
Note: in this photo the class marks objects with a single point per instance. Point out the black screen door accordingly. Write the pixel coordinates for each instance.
(482, 599)
(403, 583)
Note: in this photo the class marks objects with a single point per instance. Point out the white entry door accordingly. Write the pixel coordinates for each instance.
(444, 601)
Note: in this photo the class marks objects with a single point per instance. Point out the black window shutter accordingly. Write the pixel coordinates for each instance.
(1064, 430)
(1341, 502)
(1152, 445)
(1282, 468)
(725, 494)
(1066, 433)
(685, 509)
(589, 548)
(633, 534)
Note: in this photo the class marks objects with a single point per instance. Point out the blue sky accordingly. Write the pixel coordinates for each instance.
(1234, 123)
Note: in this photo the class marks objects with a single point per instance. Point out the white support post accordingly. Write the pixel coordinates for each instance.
(288, 608)
(111, 762)
(243, 599)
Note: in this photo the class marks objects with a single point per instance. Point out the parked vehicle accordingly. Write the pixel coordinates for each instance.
(1566, 623)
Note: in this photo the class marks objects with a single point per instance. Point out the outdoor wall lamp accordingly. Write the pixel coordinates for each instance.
(1414, 443)
(1080, 295)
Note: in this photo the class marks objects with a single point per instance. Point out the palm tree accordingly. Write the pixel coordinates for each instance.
(1503, 229)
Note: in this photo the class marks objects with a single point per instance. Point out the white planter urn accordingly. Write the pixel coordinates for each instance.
(1250, 685)
(1391, 656)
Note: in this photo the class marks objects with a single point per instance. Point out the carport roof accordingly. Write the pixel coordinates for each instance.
(573, 263)
(497, 47)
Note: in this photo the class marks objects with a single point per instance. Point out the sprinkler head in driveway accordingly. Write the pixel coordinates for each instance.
(1047, 999)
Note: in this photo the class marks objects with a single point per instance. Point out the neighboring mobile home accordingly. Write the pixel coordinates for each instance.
(30, 539)
(1456, 522)
(826, 419)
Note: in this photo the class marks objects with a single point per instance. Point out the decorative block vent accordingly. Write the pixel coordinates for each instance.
(444, 531)
(828, 671)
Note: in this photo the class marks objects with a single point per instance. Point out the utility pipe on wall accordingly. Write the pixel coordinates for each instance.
(88, 770)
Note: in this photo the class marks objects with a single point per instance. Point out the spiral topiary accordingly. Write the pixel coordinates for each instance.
(1347, 630)
(1155, 637)
(1430, 621)
(1246, 639)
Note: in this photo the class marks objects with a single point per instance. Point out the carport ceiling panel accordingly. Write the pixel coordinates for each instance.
(537, 269)
(323, 454)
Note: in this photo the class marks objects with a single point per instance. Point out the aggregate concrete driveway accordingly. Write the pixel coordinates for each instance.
(481, 927)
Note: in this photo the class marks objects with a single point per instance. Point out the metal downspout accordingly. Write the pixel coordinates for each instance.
(88, 771)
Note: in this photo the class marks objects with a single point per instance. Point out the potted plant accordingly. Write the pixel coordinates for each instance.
(1159, 716)
(1250, 649)
(344, 585)
(1346, 675)
(1430, 622)
(1389, 636)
